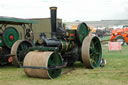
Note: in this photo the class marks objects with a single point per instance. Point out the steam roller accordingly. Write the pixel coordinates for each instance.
(49, 55)
(9, 34)
(8, 37)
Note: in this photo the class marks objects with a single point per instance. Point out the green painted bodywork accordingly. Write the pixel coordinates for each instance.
(11, 20)
(66, 45)
(63, 45)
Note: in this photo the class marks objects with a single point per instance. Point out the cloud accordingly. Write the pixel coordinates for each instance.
(68, 10)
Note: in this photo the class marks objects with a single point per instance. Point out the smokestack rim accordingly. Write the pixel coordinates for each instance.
(53, 8)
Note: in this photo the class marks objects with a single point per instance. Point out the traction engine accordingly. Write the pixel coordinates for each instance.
(49, 55)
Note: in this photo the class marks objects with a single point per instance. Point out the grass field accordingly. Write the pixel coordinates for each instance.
(115, 72)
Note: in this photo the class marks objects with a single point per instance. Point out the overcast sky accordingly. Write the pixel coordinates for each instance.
(68, 10)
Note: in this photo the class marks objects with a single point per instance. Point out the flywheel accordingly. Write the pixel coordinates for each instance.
(10, 36)
(19, 50)
(91, 51)
(82, 32)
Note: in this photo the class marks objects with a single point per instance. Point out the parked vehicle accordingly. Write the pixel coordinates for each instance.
(120, 35)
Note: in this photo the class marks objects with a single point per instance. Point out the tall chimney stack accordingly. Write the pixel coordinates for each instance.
(53, 11)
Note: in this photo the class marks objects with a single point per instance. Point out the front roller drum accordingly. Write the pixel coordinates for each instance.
(91, 51)
(42, 64)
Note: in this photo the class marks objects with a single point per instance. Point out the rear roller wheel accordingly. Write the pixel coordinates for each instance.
(91, 52)
(19, 50)
(40, 62)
